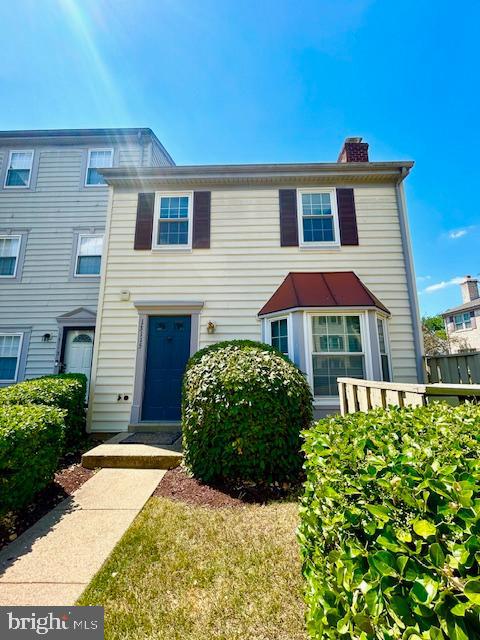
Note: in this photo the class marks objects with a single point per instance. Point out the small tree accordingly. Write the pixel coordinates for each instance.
(436, 340)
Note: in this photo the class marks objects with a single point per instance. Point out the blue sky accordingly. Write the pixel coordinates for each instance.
(272, 80)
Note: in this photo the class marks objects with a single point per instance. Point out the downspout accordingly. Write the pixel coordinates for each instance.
(410, 273)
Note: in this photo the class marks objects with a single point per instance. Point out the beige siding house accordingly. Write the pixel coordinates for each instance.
(312, 258)
(462, 323)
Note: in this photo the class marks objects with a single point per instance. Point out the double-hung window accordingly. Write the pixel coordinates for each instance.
(10, 347)
(462, 321)
(89, 255)
(279, 335)
(19, 169)
(382, 344)
(9, 252)
(97, 159)
(173, 222)
(317, 218)
(337, 352)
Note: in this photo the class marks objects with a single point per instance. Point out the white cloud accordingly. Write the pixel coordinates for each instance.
(423, 278)
(458, 233)
(443, 284)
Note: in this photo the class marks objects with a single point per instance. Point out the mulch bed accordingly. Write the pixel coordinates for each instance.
(177, 485)
(69, 477)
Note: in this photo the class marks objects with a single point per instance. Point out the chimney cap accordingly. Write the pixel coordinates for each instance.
(354, 139)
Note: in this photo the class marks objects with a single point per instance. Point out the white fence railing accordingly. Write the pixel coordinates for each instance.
(363, 395)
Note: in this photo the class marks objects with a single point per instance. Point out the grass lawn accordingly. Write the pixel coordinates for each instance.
(192, 573)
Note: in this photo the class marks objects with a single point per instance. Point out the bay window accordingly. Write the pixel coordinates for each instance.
(337, 351)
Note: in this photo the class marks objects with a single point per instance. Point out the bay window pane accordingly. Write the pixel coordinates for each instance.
(337, 352)
(326, 370)
(279, 335)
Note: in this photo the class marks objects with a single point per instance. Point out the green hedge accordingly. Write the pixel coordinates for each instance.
(244, 406)
(31, 441)
(390, 524)
(65, 391)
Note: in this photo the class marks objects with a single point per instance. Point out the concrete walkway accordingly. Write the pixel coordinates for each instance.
(53, 561)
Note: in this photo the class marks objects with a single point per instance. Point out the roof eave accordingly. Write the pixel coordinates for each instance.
(254, 173)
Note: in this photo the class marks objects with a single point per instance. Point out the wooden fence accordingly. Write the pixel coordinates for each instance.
(457, 368)
(363, 395)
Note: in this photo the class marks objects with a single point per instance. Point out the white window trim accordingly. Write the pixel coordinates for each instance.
(79, 242)
(90, 151)
(13, 186)
(386, 336)
(366, 348)
(172, 247)
(19, 353)
(11, 237)
(268, 336)
(336, 226)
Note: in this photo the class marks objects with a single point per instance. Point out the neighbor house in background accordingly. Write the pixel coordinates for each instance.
(312, 258)
(462, 323)
(53, 206)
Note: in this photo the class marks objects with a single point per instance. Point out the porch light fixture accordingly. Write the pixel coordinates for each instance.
(211, 326)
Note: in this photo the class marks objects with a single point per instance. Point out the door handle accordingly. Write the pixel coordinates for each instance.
(169, 338)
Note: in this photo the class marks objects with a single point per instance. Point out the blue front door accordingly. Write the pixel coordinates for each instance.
(168, 350)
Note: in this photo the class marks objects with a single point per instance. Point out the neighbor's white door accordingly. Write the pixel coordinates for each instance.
(78, 351)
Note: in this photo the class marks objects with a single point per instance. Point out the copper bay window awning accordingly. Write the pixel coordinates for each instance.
(342, 289)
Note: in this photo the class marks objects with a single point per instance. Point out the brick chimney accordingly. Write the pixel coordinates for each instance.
(469, 289)
(354, 150)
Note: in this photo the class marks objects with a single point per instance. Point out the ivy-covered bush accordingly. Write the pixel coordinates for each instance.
(64, 391)
(390, 524)
(31, 441)
(244, 406)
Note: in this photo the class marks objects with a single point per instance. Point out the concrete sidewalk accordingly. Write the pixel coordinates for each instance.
(53, 561)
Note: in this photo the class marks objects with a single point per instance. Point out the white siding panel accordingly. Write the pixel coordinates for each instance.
(57, 204)
(235, 277)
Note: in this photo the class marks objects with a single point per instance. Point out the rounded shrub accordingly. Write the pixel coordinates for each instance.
(244, 406)
(390, 525)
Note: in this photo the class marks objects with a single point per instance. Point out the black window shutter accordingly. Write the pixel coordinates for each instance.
(347, 217)
(288, 217)
(201, 220)
(144, 223)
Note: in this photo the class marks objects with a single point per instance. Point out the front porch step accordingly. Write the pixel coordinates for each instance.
(155, 426)
(115, 455)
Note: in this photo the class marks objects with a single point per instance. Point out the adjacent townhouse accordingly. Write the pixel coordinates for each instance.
(314, 259)
(462, 323)
(53, 206)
